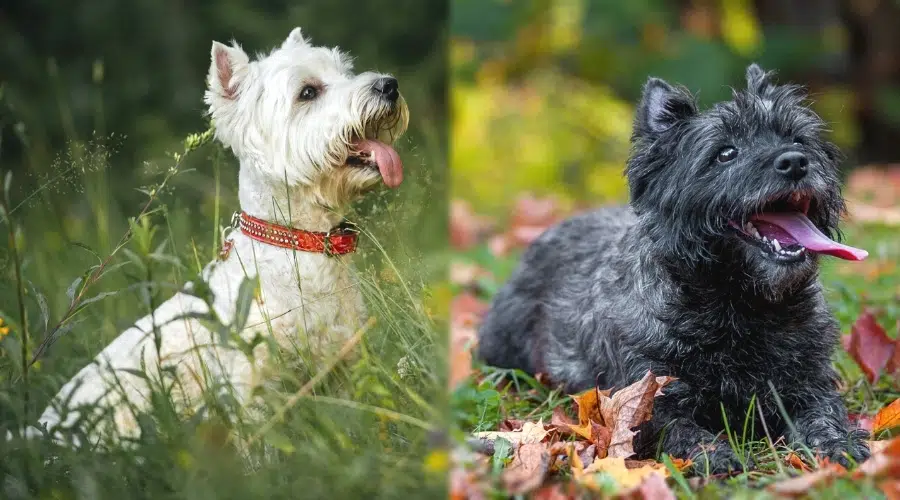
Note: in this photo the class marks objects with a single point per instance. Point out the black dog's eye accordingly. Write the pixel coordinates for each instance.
(726, 155)
(798, 141)
(308, 93)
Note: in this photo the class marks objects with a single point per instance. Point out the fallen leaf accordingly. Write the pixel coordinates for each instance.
(512, 424)
(682, 464)
(466, 228)
(887, 418)
(869, 345)
(561, 422)
(800, 485)
(466, 311)
(527, 470)
(796, 462)
(890, 488)
(627, 409)
(588, 411)
(877, 446)
(885, 463)
(556, 491)
(616, 468)
(530, 433)
(653, 487)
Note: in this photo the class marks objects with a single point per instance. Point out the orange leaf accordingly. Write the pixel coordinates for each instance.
(465, 314)
(588, 411)
(887, 418)
(796, 462)
(682, 464)
(628, 408)
(890, 488)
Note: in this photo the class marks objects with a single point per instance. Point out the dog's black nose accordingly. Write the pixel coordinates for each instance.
(792, 165)
(387, 87)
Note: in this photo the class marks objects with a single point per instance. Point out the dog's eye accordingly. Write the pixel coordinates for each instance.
(308, 93)
(726, 155)
(798, 141)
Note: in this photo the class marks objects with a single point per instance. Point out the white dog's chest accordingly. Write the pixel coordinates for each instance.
(304, 297)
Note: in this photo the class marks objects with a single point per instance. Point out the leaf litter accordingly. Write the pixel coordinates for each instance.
(587, 449)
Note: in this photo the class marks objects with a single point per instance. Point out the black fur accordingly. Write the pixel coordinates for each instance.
(667, 285)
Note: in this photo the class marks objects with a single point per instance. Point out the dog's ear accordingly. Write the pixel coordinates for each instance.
(296, 38)
(759, 81)
(661, 107)
(227, 69)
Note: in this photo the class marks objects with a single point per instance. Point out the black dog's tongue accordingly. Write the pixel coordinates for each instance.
(807, 234)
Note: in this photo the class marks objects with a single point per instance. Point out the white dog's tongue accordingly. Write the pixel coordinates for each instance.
(807, 234)
(388, 161)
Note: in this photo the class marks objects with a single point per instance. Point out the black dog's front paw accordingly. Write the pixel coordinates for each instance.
(847, 451)
(719, 458)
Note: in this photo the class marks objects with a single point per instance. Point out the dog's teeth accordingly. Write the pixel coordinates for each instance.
(776, 244)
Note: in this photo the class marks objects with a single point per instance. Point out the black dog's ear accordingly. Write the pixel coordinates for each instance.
(661, 107)
(759, 81)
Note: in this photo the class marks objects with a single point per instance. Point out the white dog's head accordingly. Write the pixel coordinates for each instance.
(300, 115)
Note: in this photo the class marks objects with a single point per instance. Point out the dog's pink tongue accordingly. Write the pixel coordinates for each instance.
(388, 161)
(807, 234)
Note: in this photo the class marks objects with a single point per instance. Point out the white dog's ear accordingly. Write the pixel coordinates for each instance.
(227, 69)
(295, 38)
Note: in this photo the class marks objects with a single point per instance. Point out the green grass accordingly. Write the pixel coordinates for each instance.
(361, 430)
(485, 401)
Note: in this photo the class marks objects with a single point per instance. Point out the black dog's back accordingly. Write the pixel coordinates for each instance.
(514, 333)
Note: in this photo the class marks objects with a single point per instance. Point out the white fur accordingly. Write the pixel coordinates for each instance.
(292, 172)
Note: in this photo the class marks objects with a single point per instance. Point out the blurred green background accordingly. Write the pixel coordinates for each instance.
(543, 90)
(95, 96)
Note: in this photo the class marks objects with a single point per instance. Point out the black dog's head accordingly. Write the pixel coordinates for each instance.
(750, 183)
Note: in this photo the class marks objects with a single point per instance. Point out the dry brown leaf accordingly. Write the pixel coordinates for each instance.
(530, 433)
(628, 408)
(588, 411)
(887, 418)
(616, 468)
(527, 470)
(653, 487)
(800, 485)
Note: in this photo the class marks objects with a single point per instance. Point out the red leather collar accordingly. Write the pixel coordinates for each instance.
(339, 241)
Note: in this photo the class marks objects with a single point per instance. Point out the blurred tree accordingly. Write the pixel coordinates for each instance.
(551, 55)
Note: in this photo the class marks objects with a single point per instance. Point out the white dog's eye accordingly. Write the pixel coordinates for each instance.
(308, 93)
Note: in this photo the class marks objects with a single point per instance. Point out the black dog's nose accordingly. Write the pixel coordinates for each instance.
(792, 165)
(387, 87)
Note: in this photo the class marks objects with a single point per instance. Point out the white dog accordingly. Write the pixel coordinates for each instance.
(311, 137)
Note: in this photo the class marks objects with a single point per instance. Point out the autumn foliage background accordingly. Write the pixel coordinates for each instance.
(542, 97)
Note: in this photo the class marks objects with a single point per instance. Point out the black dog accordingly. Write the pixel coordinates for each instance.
(710, 276)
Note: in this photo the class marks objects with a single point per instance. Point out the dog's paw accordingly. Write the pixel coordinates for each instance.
(852, 450)
(719, 458)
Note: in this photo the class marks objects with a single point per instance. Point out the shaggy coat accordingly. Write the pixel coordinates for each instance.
(667, 285)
